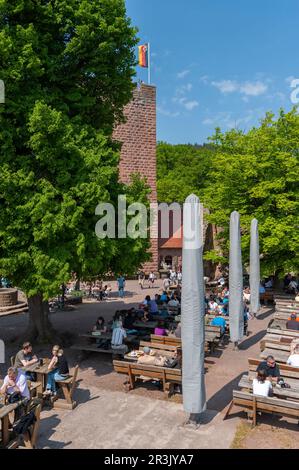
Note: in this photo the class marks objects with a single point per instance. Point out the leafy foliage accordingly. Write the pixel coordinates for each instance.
(68, 67)
(181, 170)
(258, 174)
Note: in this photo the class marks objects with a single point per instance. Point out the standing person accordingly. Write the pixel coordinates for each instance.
(151, 279)
(141, 277)
(166, 284)
(59, 370)
(121, 282)
(180, 277)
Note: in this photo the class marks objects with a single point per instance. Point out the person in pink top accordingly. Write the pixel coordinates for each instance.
(160, 329)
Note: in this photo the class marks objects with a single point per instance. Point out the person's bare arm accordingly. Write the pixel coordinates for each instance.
(34, 360)
(53, 363)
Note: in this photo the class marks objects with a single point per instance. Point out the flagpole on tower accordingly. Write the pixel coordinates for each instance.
(149, 63)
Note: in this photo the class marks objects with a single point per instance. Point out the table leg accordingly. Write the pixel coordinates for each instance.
(5, 430)
(40, 388)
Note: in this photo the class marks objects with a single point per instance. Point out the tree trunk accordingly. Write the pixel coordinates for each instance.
(40, 329)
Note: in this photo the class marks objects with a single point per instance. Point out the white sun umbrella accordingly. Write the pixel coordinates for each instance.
(254, 268)
(193, 311)
(236, 305)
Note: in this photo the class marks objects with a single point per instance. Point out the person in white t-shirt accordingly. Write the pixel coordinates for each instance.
(293, 360)
(262, 386)
(15, 381)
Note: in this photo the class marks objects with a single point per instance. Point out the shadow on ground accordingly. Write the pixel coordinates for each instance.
(223, 397)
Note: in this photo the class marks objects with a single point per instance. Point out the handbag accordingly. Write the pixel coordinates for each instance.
(14, 397)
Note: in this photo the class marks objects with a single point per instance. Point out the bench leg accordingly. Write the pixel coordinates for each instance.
(67, 393)
(5, 431)
(229, 409)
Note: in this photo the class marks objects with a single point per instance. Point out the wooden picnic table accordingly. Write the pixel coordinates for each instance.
(151, 325)
(5, 411)
(288, 393)
(41, 374)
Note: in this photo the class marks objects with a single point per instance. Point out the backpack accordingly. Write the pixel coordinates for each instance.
(24, 423)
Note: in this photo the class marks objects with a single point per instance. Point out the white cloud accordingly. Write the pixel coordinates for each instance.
(229, 120)
(290, 79)
(226, 86)
(190, 105)
(256, 88)
(183, 74)
(204, 79)
(253, 88)
(167, 113)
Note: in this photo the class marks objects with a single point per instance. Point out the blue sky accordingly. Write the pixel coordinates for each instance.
(217, 62)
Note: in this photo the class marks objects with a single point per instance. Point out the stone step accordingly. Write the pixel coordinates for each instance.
(14, 307)
(14, 312)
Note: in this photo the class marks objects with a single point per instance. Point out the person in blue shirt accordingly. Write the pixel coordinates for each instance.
(164, 297)
(121, 282)
(219, 321)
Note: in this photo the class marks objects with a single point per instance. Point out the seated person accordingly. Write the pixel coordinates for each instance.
(158, 299)
(59, 370)
(164, 297)
(271, 369)
(269, 283)
(213, 306)
(293, 322)
(262, 289)
(146, 315)
(100, 325)
(118, 339)
(129, 319)
(117, 319)
(153, 307)
(293, 286)
(293, 359)
(25, 358)
(261, 385)
(15, 382)
(219, 321)
(151, 359)
(163, 312)
(178, 330)
(160, 330)
(174, 302)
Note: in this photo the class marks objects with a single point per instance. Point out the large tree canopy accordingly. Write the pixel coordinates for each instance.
(257, 174)
(67, 66)
(181, 170)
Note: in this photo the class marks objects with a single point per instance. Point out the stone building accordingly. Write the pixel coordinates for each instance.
(138, 155)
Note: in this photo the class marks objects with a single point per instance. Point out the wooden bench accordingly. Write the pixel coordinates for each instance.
(172, 341)
(288, 373)
(33, 387)
(162, 349)
(29, 438)
(67, 386)
(283, 332)
(279, 355)
(253, 404)
(267, 297)
(168, 376)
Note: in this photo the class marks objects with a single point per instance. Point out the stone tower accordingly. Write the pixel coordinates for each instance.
(138, 153)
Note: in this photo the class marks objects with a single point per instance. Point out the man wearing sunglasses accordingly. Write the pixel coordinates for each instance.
(271, 368)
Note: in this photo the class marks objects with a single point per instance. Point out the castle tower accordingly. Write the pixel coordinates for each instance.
(138, 153)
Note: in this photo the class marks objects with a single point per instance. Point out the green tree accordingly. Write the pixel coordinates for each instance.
(257, 174)
(181, 170)
(68, 67)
